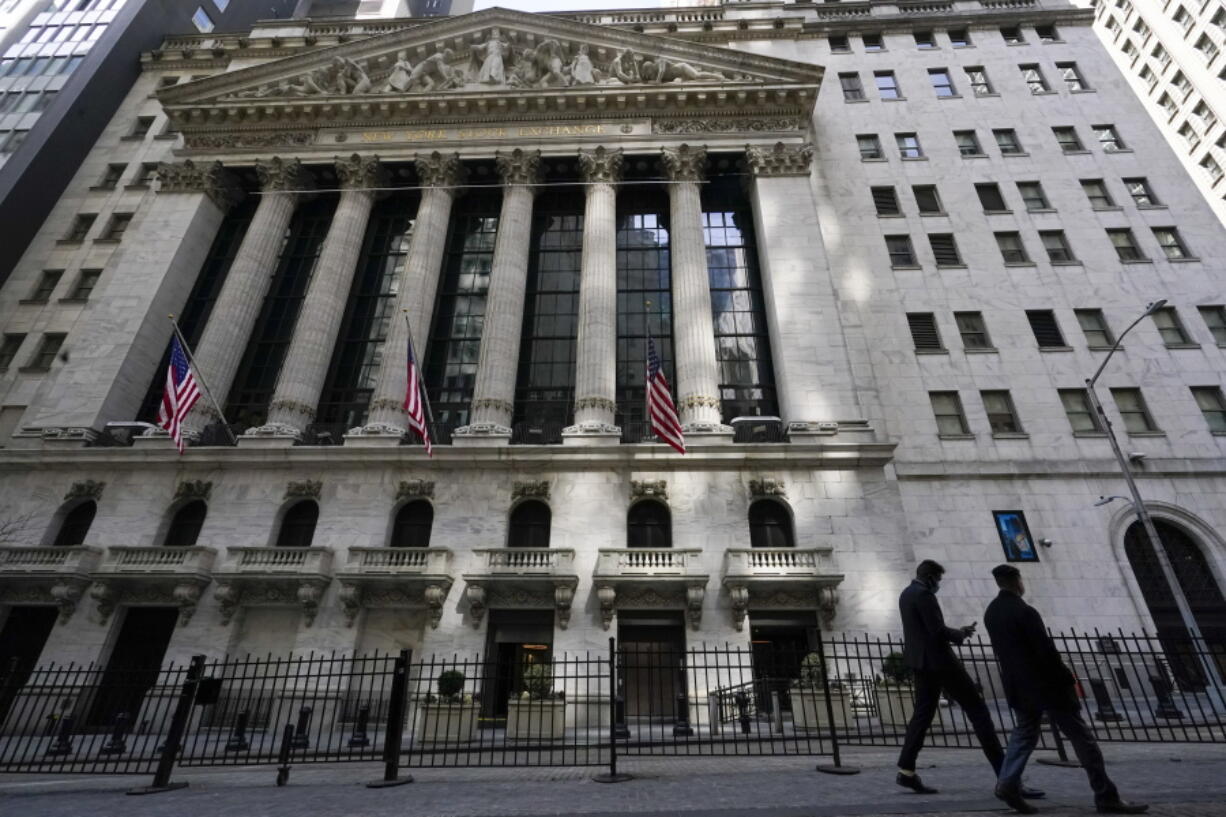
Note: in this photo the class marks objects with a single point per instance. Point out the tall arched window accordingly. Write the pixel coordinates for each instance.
(649, 525)
(770, 525)
(298, 525)
(185, 527)
(530, 525)
(411, 528)
(76, 525)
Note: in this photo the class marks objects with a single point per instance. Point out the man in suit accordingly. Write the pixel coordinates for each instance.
(927, 651)
(1036, 680)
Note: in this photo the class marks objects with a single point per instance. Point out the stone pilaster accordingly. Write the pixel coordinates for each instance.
(225, 336)
(301, 380)
(596, 345)
(693, 326)
(439, 174)
(494, 390)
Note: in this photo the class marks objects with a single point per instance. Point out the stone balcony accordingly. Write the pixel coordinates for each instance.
(522, 577)
(172, 575)
(395, 577)
(656, 578)
(783, 578)
(47, 575)
(273, 576)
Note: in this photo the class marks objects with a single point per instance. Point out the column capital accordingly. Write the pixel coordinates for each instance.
(359, 172)
(282, 175)
(685, 163)
(519, 166)
(439, 169)
(211, 179)
(779, 160)
(601, 165)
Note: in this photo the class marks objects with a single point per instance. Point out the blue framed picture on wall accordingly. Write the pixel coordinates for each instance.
(1015, 536)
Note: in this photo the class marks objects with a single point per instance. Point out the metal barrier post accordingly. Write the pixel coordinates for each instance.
(836, 766)
(178, 723)
(117, 745)
(238, 739)
(287, 745)
(394, 730)
(613, 776)
(1062, 759)
(359, 737)
(302, 739)
(63, 741)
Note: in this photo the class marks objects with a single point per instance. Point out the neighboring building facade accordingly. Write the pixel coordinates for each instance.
(1171, 54)
(915, 269)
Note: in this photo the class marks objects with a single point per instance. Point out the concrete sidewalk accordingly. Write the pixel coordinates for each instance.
(1179, 780)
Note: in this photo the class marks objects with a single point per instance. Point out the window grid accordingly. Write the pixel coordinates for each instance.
(1094, 325)
(1002, 415)
(885, 201)
(1212, 405)
(968, 143)
(1080, 413)
(1057, 246)
(1033, 195)
(1133, 411)
(973, 330)
(977, 76)
(1215, 319)
(942, 82)
(1068, 140)
(1045, 328)
(47, 282)
(869, 146)
(887, 85)
(1012, 250)
(47, 350)
(1073, 80)
(909, 146)
(947, 410)
(9, 348)
(1171, 243)
(1170, 327)
(1109, 138)
(86, 282)
(945, 250)
(1098, 194)
(1032, 75)
(900, 250)
(1125, 244)
(924, 332)
(1007, 141)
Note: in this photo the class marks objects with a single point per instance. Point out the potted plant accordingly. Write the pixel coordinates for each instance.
(895, 693)
(538, 713)
(450, 716)
(808, 695)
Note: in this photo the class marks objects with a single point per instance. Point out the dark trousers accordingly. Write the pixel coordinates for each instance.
(1025, 736)
(959, 687)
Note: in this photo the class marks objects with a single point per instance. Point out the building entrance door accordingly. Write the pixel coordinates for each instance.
(22, 640)
(650, 655)
(134, 663)
(518, 639)
(779, 644)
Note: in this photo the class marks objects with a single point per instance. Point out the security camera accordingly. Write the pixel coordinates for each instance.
(1045, 543)
(1136, 456)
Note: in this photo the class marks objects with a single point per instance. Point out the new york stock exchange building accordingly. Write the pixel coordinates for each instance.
(878, 247)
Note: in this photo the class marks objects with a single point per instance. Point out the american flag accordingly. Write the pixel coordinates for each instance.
(660, 408)
(180, 395)
(413, 403)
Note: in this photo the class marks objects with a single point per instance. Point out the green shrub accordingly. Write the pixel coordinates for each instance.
(811, 671)
(450, 684)
(895, 669)
(538, 682)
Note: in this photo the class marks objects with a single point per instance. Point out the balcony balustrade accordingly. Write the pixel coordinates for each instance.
(522, 577)
(273, 575)
(789, 577)
(174, 575)
(395, 577)
(650, 577)
(47, 575)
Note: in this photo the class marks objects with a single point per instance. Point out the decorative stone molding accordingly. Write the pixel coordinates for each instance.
(592, 427)
(482, 430)
(474, 594)
(360, 172)
(780, 160)
(435, 595)
(602, 403)
(519, 166)
(439, 169)
(211, 179)
(694, 595)
(104, 597)
(75, 435)
(529, 490)
(495, 404)
(563, 596)
(606, 594)
(66, 595)
(415, 488)
(350, 597)
(193, 489)
(738, 595)
(765, 486)
(85, 489)
(186, 596)
(601, 165)
(228, 140)
(308, 489)
(685, 163)
(282, 175)
(694, 401)
(727, 125)
(309, 594)
(827, 605)
(649, 489)
(228, 597)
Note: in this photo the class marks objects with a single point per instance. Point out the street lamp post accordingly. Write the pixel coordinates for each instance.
(1138, 504)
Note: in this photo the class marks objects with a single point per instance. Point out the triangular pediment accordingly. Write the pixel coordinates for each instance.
(491, 61)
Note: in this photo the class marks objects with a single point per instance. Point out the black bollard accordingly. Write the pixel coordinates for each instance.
(620, 729)
(742, 707)
(1166, 708)
(238, 738)
(359, 732)
(118, 743)
(1106, 711)
(63, 741)
(287, 743)
(301, 739)
(681, 726)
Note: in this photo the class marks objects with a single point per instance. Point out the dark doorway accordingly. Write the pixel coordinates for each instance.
(651, 670)
(648, 525)
(780, 643)
(76, 525)
(517, 639)
(530, 523)
(185, 527)
(298, 525)
(22, 639)
(134, 663)
(411, 528)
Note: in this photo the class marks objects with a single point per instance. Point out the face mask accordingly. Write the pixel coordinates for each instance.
(934, 584)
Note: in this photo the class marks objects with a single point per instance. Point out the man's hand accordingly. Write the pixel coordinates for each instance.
(969, 630)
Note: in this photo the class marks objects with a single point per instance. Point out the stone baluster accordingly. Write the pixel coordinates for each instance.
(596, 346)
(301, 380)
(494, 390)
(693, 326)
(440, 176)
(233, 317)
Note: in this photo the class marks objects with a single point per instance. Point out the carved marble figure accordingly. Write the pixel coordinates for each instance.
(582, 72)
(398, 79)
(433, 73)
(661, 70)
(492, 53)
(549, 64)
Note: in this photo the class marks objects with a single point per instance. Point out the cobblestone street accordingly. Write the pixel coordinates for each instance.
(1179, 780)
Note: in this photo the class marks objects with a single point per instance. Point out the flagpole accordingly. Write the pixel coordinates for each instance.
(646, 354)
(200, 376)
(421, 388)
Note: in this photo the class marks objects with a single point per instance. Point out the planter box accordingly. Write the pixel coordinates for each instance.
(450, 723)
(809, 708)
(535, 720)
(895, 705)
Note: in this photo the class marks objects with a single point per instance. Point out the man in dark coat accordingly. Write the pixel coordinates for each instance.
(1036, 680)
(927, 651)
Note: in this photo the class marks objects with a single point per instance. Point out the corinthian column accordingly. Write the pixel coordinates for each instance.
(306, 362)
(242, 295)
(596, 347)
(693, 327)
(440, 176)
(494, 391)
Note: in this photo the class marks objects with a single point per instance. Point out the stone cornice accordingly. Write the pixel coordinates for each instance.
(780, 160)
(601, 165)
(208, 178)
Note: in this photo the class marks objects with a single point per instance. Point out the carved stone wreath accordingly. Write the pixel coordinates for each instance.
(193, 489)
(649, 489)
(306, 489)
(530, 490)
(85, 489)
(415, 488)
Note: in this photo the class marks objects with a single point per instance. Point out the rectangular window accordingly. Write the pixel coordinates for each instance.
(885, 199)
(839, 44)
(869, 146)
(1170, 327)
(1183, 18)
(1057, 246)
(1168, 104)
(909, 146)
(1189, 135)
(1133, 411)
(15, 140)
(168, 81)
(1109, 138)
(1033, 195)
(1171, 243)
(1046, 330)
(1012, 250)
(1125, 244)
(924, 40)
(1212, 169)
(899, 248)
(86, 281)
(959, 37)
(927, 199)
(111, 177)
(1035, 81)
(1007, 141)
(1206, 47)
(887, 85)
(947, 409)
(968, 143)
(1094, 325)
(853, 89)
(1212, 405)
(1073, 81)
(202, 21)
(9, 348)
(924, 332)
(990, 197)
(942, 82)
(1047, 34)
(1206, 116)
(1215, 318)
(1068, 140)
(141, 127)
(47, 282)
(945, 249)
(117, 226)
(147, 176)
(80, 227)
(973, 330)
(1002, 416)
(1096, 191)
(1012, 35)
(1080, 413)
(977, 76)
(47, 350)
(873, 42)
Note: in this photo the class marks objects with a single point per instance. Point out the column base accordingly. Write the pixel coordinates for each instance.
(375, 435)
(481, 435)
(591, 433)
(270, 435)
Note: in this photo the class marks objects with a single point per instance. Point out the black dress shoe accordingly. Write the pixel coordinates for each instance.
(913, 782)
(1122, 807)
(1015, 801)
(1032, 794)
